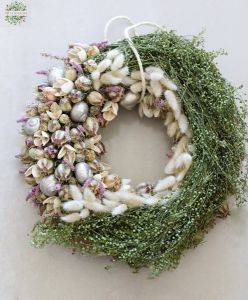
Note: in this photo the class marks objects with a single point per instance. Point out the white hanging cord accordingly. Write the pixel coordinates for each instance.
(110, 21)
(136, 53)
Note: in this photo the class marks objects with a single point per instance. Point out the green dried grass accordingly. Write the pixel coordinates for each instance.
(157, 236)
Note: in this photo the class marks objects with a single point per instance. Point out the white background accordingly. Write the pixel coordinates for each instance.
(217, 269)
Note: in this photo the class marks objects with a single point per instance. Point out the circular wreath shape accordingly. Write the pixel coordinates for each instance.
(83, 205)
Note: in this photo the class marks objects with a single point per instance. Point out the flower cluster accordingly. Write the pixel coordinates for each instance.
(63, 148)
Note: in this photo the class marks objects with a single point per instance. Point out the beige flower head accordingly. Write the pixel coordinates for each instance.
(63, 86)
(55, 111)
(77, 54)
(67, 152)
(41, 138)
(110, 110)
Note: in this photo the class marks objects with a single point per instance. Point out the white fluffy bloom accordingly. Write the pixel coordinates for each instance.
(172, 129)
(183, 160)
(104, 65)
(156, 88)
(71, 218)
(108, 78)
(112, 53)
(84, 213)
(156, 76)
(73, 205)
(120, 209)
(136, 87)
(183, 123)
(165, 184)
(75, 192)
(173, 103)
(95, 75)
(169, 118)
(118, 62)
(168, 84)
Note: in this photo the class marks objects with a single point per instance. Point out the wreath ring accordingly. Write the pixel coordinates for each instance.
(85, 207)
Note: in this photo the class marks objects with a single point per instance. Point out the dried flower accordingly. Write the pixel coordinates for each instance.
(110, 110)
(83, 83)
(77, 54)
(64, 119)
(50, 151)
(63, 86)
(65, 104)
(91, 125)
(55, 111)
(41, 138)
(71, 74)
(92, 51)
(53, 125)
(115, 93)
(90, 65)
(59, 137)
(62, 172)
(95, 98)
(75, 96)
(68, 152)
(112, 182)
(49, 94)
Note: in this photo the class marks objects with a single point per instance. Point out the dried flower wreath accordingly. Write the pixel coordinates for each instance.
(85, 207)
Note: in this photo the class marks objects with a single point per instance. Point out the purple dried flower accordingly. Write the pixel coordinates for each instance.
(29, 141)
(33, 193)
(42, 72)
(22, 120)
(76, 66)
(159, 102)
(101, 46)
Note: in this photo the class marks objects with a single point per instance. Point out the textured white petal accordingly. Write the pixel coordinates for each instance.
(75, 192)
(173, 103)
(183, 123)
(156, 88)
(84, 213)
(150, 200)
(96, 207)
(156, 76)
(120, 209)
(168, 84)
(104, 65)
(71, 218)
(113, 53)
(165, 183)
(108, 78)
(95, 75)
(110, 203)
(172, 129)
(118, 62)
(136, 87)
(89, 196)
(74, 205)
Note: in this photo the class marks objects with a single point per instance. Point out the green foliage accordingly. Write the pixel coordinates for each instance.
(157, 236)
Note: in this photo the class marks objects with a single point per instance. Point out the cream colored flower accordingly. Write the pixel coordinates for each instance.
(63, 86)
(92, 143)
(77, 54)
(110, 110)
(53, 205)
(68, 152)
(55, 111)
(49, 93)
(41, 138)
(43, 167)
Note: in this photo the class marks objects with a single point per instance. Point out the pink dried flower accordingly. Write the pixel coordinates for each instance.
(22, 120)
(42, 72)
(159, 102)
(101, 46)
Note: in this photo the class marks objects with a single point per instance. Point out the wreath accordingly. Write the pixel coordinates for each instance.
(83, 205)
